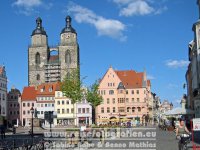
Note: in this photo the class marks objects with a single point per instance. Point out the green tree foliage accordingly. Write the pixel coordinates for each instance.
(72, 86)
(94, 98)
(92, 95)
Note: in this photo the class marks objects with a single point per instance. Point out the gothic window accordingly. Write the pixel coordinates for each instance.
(38, 77)
(37, 58)
(68, 57)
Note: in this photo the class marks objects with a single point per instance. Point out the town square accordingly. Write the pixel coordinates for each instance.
(104, 74)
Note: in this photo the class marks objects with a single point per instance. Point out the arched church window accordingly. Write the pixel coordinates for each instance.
(37, 58)
(38, 77)
(68, 57)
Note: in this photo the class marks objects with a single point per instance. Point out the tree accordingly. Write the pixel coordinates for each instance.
(94, 98)
(72, 87)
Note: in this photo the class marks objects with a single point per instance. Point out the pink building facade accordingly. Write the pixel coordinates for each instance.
(126, 95)
(28, 100)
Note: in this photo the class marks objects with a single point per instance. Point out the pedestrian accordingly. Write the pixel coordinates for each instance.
(14, 130)
(101, 136)
(72, 138)
(3, 136)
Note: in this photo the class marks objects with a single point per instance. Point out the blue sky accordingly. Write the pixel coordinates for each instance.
(127, 34)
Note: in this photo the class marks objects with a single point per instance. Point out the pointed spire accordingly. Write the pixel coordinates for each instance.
(68, 27)
(68, 21)
(39, 29)
(39, 22)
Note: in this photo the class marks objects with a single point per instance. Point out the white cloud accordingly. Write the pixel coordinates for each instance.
(138, 7)
(27, 3)
(27, 7)
(161, 10)
(177, 63)
(108, 27)
(150, 77)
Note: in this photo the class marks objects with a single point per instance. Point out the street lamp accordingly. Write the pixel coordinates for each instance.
(32, 112)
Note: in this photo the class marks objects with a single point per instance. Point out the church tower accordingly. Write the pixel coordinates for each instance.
(68, 49)
(37, 55)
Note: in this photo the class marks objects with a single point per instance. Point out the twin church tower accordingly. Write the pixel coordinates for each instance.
(51, 64)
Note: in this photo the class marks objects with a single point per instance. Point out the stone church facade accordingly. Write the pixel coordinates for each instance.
(43, 66)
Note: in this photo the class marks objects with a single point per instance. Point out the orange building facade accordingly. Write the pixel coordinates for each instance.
(126, 96)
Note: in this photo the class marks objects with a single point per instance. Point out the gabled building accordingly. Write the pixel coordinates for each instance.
(28, 100)
(45, 100)
(126, 94)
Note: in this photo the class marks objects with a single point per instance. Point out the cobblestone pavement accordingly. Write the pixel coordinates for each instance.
(163, 140)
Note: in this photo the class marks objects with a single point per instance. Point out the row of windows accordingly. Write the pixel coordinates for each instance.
(122, 100)
(3, 85)
(43, 89)
(112, 76)
(45, 105)
(83, 110)
(111, 92)
(63, 111)
(111, 84)
(14, 105)
(63, 102)
(28, 112)
(45, 98)
(129, 109)
(28, 104)
(13, 97)
(14, 112)
(2, 96)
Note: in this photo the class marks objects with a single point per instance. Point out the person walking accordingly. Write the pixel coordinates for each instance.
(3, 135)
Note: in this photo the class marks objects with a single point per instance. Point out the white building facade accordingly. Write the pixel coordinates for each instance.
(84, 113)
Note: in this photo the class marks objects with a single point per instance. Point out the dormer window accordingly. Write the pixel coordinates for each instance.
(42, 89)
(50, 89)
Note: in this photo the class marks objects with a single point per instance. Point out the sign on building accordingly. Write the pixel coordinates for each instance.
(196, 124)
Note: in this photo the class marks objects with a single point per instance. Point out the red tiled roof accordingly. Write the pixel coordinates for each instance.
(47, 88)
(130, 78)
(29, 93)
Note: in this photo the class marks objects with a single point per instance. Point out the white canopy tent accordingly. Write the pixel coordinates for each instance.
(179, 111)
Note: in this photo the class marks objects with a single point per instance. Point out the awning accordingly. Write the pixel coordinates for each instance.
(82, 118)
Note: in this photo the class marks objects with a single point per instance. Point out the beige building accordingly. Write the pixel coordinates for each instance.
(64, 109)
(126, 96)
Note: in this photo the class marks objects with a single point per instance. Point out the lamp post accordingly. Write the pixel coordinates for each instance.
(32, 112)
